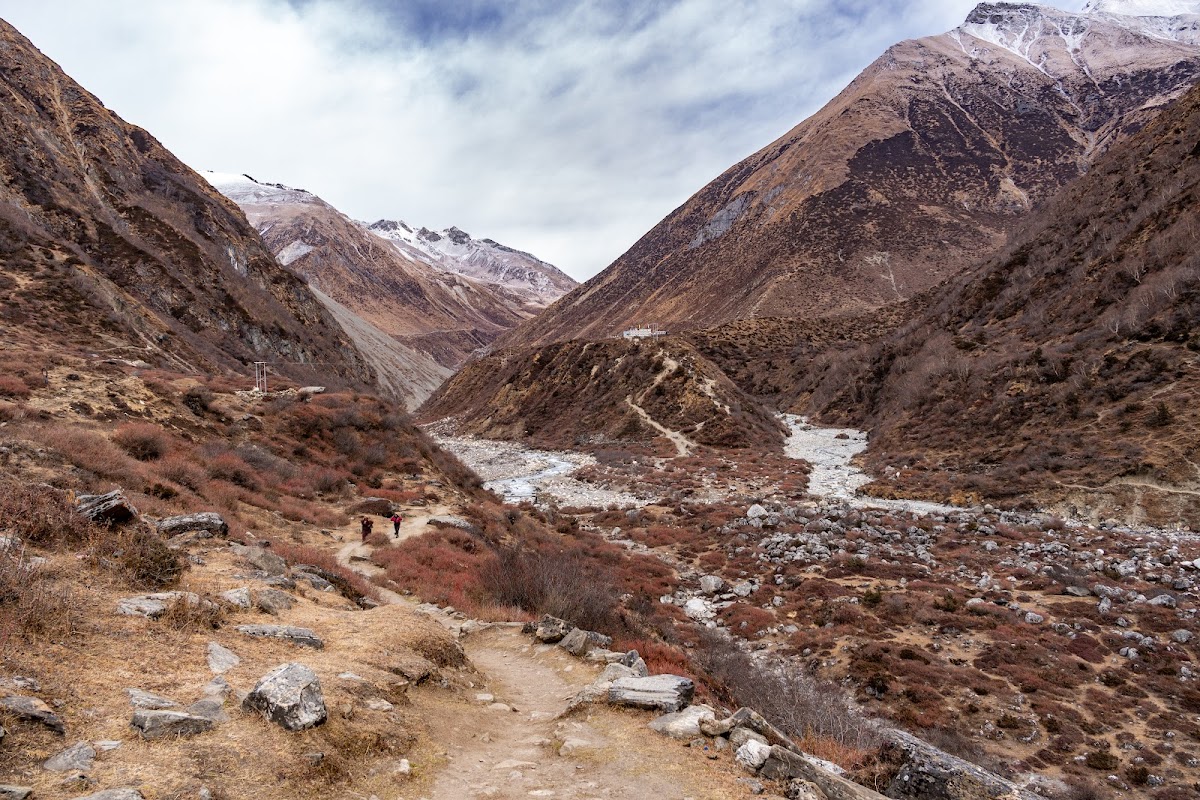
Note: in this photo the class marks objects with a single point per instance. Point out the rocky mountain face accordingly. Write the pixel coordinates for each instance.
(603, 394)
(922, 165)
(417, 320)
(539, 284)
(111, 245)
(1063, 368)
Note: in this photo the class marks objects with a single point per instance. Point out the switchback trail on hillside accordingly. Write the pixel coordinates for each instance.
(507, 737)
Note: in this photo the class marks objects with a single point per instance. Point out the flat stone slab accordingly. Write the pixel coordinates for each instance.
(8, 792)
(159, 724)
(112, 507)
(221, 659)
(113, 794)
(298, 636)
(32, 709)
(153, 606)
(149, 701)
(683, 724)
(76, 758)
(206, 522)
(273, 601)
(658, 692)
(290, 696)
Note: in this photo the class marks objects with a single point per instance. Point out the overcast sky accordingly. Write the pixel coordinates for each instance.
(567, 128)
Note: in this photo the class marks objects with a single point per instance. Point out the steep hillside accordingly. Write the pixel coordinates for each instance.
(921, 165)
(1065, 368)
(434, 314)
(109, 244)
(539, 284)
(657, 392)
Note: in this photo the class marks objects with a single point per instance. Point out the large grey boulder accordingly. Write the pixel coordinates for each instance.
(273, 601)
(683, 724)
(580, 642)
(657, 692)
(207, 524)
(113, 794)
(160, 724)
(711, 584)
(153, 606)
(110, 508)
(238, 598)
(76, 758)
(289, 695)
(752, 754)
(31, 709)
(8, 792)
(932, 774)
(750, 719)
(298, 636)
(261, 559)
(552, 629)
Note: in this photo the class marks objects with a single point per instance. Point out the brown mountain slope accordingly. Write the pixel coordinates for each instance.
(1065, 368)
(109, 244)
(920, 166)
(437, 313)
(580, 394)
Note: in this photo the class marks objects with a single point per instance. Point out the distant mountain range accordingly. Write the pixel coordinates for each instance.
(425, 295)
(924, 163)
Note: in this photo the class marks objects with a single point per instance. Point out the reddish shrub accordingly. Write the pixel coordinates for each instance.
(143, 441)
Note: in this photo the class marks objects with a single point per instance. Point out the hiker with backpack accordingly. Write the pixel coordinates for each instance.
(396, 520)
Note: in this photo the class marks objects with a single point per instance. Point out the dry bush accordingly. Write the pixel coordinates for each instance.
(563, 584)
(194, 616)
(180, 470)
(43, 515)
(143, 441)
(32, 603)
(440, 566)
(11, 386)
(92, 452)
(228, 466)
(349, 583)
(139, 558)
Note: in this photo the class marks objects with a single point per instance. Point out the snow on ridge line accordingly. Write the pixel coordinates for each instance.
(1143, 8)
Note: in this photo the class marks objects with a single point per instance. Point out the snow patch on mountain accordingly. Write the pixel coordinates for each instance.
(245, 189)
(454, 250)
(1143, 8)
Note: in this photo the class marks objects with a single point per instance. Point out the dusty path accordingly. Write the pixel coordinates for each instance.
(506, 739)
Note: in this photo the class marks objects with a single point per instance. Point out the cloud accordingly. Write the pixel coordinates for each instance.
(567, 128)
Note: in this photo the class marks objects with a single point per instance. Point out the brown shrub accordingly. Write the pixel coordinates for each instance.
(43, 515)
(143, 441)
(349, 583)
(12, 386)
(194, 616)
(183, 472)
(140, 558)
(563, 584)
(92, 452)
(33, 603)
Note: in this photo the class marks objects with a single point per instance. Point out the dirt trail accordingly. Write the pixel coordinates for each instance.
(505, 738)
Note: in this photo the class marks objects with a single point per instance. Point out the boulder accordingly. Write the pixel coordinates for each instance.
(413, 667)
(784, 765)
(1182, 636)
(238, 598)
(750, 719)
(76, 758)
(447, 521)
(149, 701)
(159, 724)
(289, 695)
(261, 560)
(755, 511)
(31, 709)
(153, 606)
(273, 601)
(552, 629)
(1033, 618)
(112, 508)
(683, 724)
(298, 636)
(752, 755)
(9, 792)
(658, 692)
(928, 772)
(221, 659)
(209, 708)
(113, 794)
(741, 734)
(711, 584)
(579, 642)
(207, 524)
(1077, 591)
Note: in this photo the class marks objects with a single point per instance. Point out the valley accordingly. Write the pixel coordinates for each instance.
(897, 496)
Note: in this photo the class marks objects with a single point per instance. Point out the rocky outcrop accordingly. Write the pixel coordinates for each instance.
(290, 696)
(153, 606)
(580, 642)
(302, 637)
(9, 792)
(32, 709)
(657, 692)
(160, 724)
(209, 523)
(76, 758)
(932, 774)
(112, 508)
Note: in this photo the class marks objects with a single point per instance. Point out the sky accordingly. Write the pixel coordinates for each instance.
(566, 128)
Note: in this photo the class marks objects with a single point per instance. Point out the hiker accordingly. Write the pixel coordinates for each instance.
(367, 525)
(396, 520)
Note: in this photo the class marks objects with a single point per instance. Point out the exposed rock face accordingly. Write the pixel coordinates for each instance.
(289, 695)
(921, 165)
(552, 629)
(32, 709)
(122, 239)
(930, 774)
(155, 605)
(580, 642)
(76, 758)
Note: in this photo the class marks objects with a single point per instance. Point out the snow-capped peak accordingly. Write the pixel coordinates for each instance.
(241, 188)
(1143, 8)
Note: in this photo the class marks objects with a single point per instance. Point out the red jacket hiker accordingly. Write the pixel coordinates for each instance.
(396, 520)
